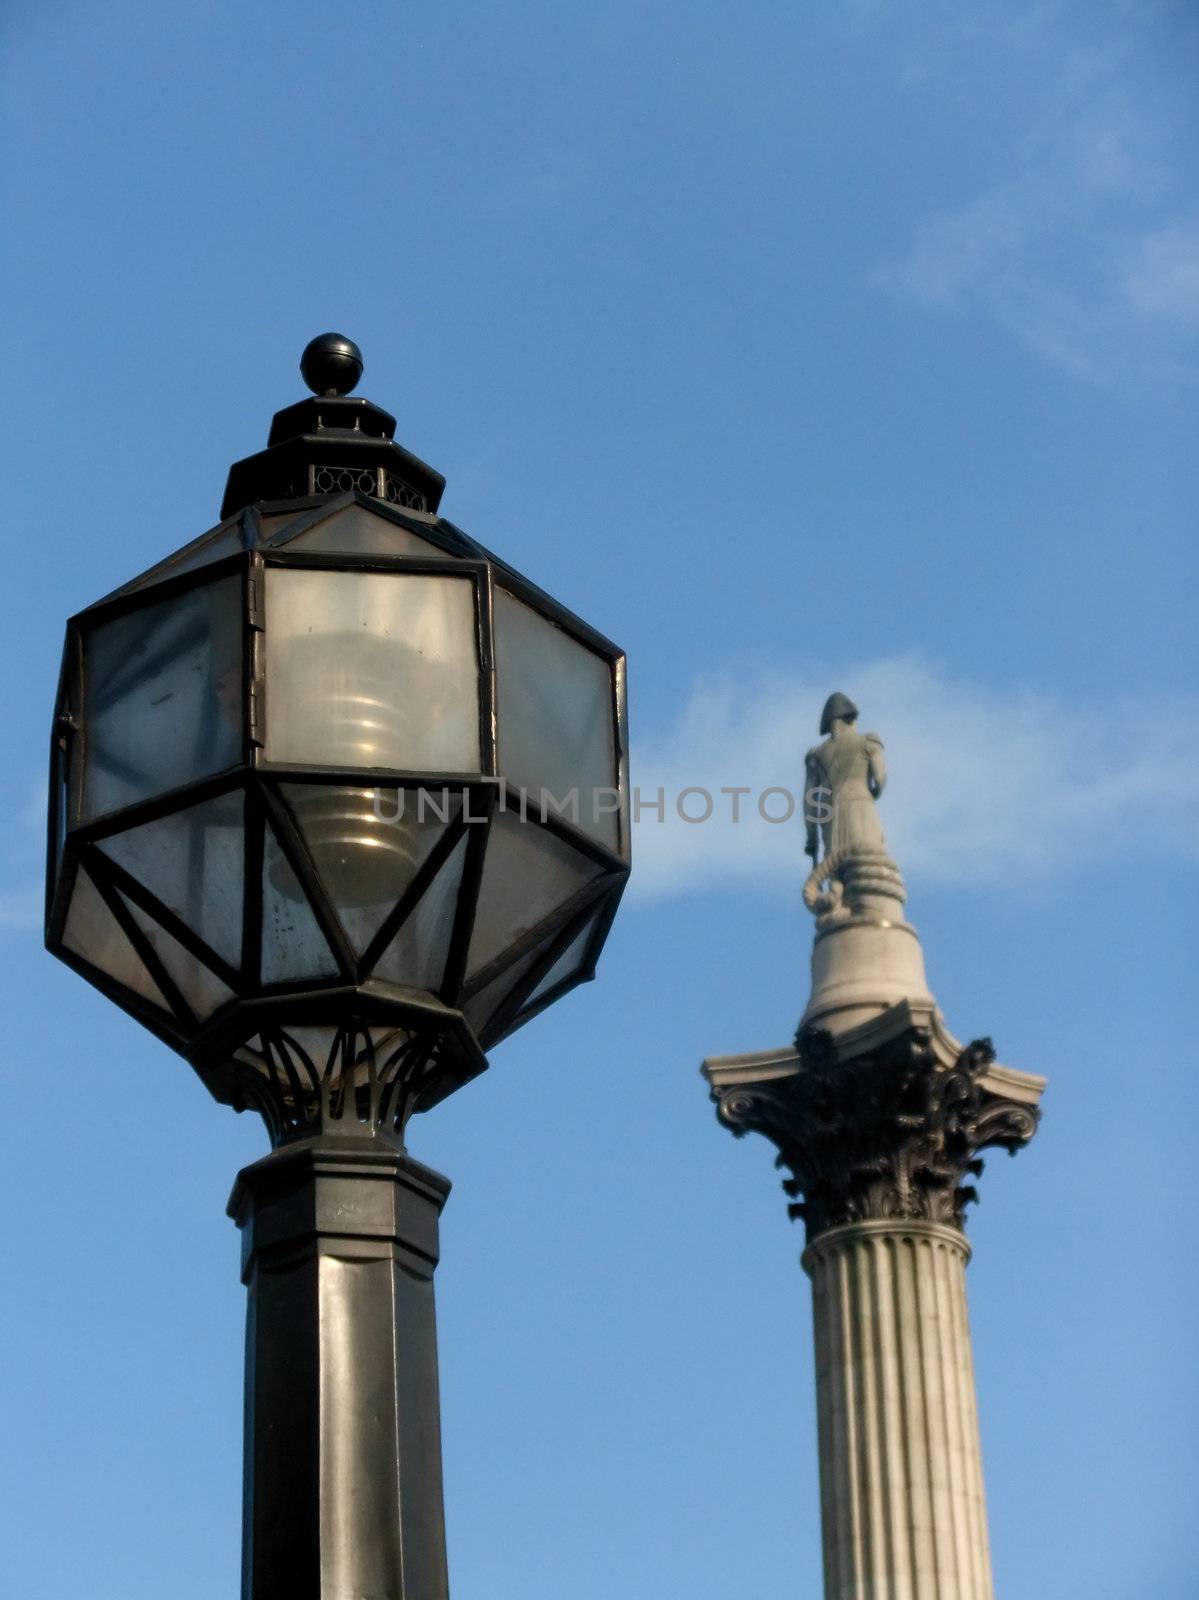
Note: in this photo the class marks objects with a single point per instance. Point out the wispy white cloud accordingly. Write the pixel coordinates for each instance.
(987, 787)
(1081, 250)
(1163, 276)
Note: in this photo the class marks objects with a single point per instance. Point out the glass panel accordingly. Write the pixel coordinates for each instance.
(192, 861)
(568, 963)
(93, 932)
(268, 527)
(221, 541)
(480, 1009)
(293, 945)
(367, 845)
(202, 989)
(528, 873)
(555, 717)
(357, 531)
(417, 955)
(224, 542)
(162, 696)
(372, 669)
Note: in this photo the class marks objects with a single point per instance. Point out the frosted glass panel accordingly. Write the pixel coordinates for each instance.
(202, 989)
(357, 531)
(268, 527)
(556, 718)
(225, 540)
(162, 696)
(480, 1009)
(93, 932)
(293, 945)
(417, 955)
(528, 873)
(367, 845)
(192, 861)
(372, 669)
(567, 964)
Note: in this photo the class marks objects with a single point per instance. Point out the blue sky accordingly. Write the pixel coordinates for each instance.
(797, 348)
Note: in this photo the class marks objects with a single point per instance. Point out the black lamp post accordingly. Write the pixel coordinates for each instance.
(338, 801)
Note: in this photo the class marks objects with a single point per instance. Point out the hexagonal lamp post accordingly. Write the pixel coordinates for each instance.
(339, 801)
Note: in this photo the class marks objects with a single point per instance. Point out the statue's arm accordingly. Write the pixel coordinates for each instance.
(878, 764)
(812, 781)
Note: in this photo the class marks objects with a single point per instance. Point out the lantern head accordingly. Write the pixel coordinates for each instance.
(339, 799)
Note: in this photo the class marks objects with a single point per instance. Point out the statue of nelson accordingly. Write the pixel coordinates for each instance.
(844, 777)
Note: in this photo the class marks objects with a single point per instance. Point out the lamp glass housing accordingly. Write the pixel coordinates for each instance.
(336, 794)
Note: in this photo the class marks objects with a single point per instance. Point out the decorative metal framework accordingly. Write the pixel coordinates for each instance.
(377, 481)
(332, 942)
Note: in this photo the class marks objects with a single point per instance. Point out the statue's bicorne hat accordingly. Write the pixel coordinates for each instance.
(837, 705)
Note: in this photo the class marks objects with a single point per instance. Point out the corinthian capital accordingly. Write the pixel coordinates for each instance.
(890, 1131)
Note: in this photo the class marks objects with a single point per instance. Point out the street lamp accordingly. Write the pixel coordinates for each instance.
(338, 801)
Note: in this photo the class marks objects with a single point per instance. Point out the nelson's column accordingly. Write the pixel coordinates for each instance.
(879, 1114)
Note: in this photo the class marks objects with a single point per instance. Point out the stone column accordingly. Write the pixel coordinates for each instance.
(879, 1127)
(901, 1487)
(343, 1495)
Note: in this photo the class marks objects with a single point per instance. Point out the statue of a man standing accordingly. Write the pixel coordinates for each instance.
(844, 777)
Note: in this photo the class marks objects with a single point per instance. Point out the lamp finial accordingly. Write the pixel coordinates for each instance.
(331, 364)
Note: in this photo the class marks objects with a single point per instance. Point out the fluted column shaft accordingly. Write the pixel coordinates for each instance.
(901, 1485)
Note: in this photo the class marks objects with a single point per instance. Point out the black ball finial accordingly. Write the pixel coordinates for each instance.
(331, 364)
